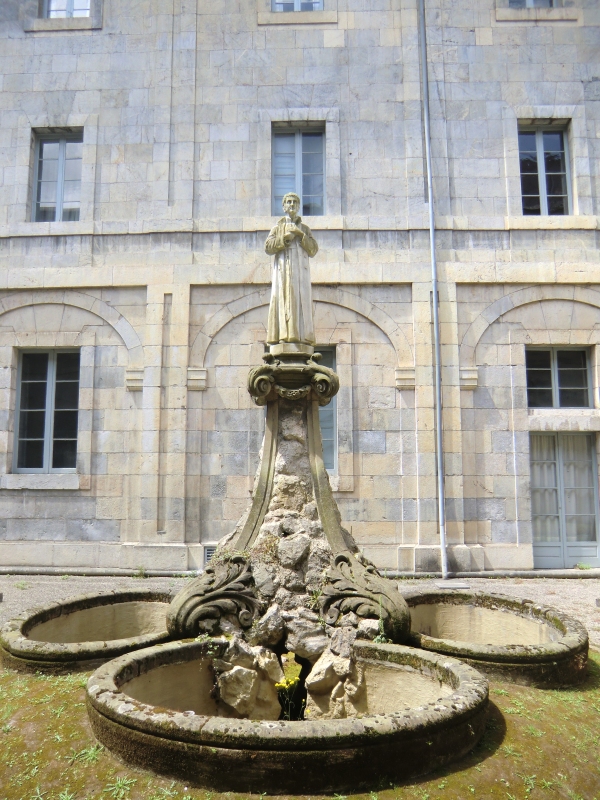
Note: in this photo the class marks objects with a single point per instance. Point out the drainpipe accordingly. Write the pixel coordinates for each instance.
(439, 431)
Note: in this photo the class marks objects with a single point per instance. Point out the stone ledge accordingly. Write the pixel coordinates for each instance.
(34, 24)
(537, 15)
(297, 17)
(68, 480)
(564, 419)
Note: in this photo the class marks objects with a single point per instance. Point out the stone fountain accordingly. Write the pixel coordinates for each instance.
(213, 705)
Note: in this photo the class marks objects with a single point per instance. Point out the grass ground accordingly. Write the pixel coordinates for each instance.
(539, 745)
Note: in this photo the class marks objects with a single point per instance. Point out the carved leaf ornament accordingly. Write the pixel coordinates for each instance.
(292, 381)
(360, 589)
(225, 589)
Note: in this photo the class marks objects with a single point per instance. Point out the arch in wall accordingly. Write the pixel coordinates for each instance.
(520, 297)
(86, 302)
(321, 294)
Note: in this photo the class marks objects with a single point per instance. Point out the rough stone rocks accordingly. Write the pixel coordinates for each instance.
(268, 630)
(246, 677)
(238, 687)
(306, 635)
(293, 549)
(342, 641)
(368, 629)
(335, 687)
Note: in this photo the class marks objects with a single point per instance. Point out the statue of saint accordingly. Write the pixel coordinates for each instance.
(292, 244)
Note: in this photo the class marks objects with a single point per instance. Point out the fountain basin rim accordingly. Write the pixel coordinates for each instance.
(104, 697)
(14, 633)
(573, 639)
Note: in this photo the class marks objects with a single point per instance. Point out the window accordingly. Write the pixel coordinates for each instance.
(297, 5)
(544, 182)
(557, 378)
(532, 4)
(58, 178)
(48, 402)
(299, 166)
(66, 8)
(328, 416)
(563, 493)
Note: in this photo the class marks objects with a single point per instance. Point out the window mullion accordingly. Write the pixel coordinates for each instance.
(60, 180)
(70, 4)
(539, 142)
(49, 427)
(299, 167)
(554, 368)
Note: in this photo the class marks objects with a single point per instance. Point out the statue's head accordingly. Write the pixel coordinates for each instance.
(291, 204)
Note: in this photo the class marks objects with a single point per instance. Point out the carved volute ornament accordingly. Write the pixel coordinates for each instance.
(290, 575)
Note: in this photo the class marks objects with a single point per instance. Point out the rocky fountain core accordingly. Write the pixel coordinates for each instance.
(290, 578)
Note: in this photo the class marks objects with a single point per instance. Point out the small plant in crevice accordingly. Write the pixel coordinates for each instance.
(381, 638)
(141, 572)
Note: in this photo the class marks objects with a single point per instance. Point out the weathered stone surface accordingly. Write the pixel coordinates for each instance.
(293, 549)
(269, 629)
(368, 628)
(238, 688)
(305, 634)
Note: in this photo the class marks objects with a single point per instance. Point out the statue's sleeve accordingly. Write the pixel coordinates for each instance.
(308, 243)
(271, 243)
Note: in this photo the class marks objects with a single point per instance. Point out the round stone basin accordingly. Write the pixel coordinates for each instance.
(505, 637)
(85, 631)
(154, 709)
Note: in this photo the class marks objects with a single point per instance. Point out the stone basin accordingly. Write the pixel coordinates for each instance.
(85, 631)
(505, 637)
(154, 709)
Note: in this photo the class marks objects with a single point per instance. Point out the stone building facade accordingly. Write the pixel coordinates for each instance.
(162, 285)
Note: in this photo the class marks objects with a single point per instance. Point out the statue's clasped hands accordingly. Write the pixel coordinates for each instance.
(291, 231)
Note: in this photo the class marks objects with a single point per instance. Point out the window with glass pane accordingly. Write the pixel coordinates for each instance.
(299, 166)
(563, 487)
(328, 416)
(66, 8)
(557, 378)
(544, 184)
(531, 4)
(297, 5)
(48, 412)
(58, 178)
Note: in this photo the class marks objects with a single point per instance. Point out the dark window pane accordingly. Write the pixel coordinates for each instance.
(312, 162)
(65, 424)
(553, 141)
(312, 142)
(573, 398)
(556, 184)
(557, 205)
(67, 366)
(70, 215)
(33, 395)
(34, 366)
(539, 379)
(571, 359)
(531, 206)
(312, 185)
(312, 207)
(555, 162)
(538, 359)
(31, 454)
(572, 379)
(64, 455)
(67, 395)
(529, 164)
(527, 141)
(539, 398)
(32, 424)
(530, 184)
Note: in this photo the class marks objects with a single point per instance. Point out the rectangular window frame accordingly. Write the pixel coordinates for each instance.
(539, 131)
(561, 490)
(517, 4)
(69, 13)
(298, 131)
(297, 6)
(62, 138)
(47, 468)
(554, 372)
(332, 408)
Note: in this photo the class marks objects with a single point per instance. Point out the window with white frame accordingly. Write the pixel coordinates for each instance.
(557, 378)
(57, 178)
(532, 3)
(297, 5)
(299, 166)
(544, 171)
(53, 9)
(328, 416)
(48, 410)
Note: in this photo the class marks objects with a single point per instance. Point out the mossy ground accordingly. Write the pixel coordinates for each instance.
(539, 745)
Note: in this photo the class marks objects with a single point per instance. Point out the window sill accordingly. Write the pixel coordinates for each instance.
(33, 24)
(297, 17)
(565, 420)
(566, 222)
(537, 15)
(53, 480)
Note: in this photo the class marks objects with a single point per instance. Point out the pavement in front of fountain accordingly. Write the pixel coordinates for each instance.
(575, 597)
